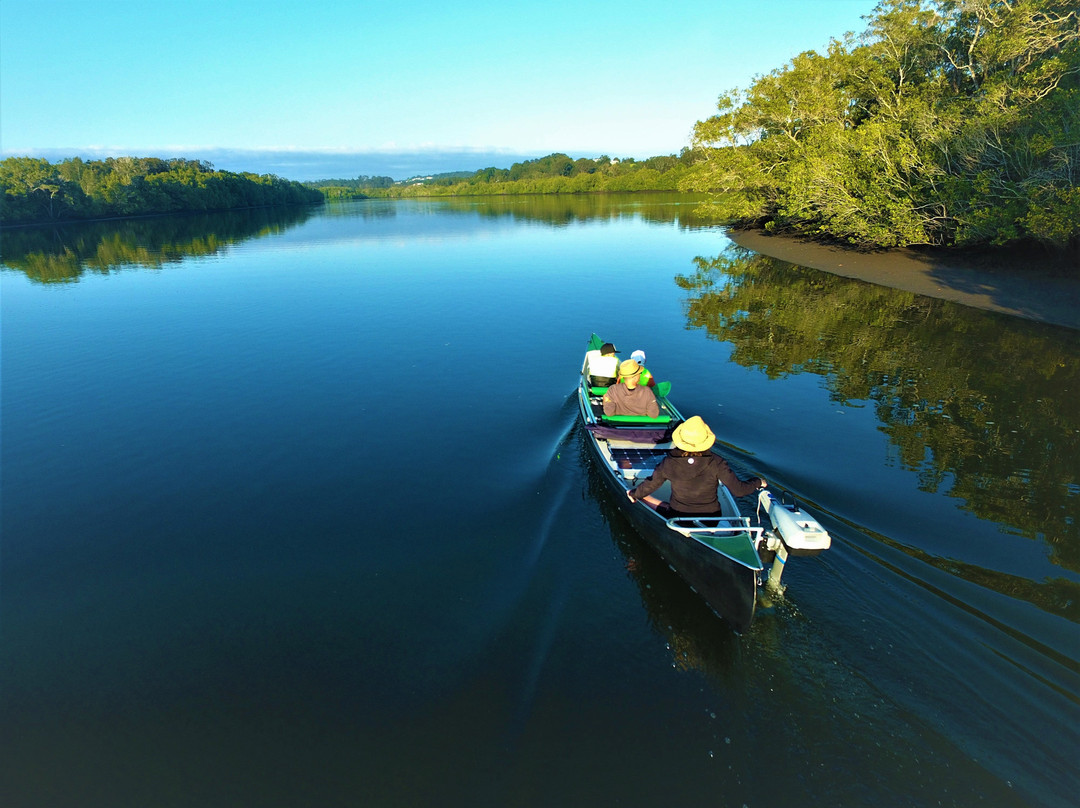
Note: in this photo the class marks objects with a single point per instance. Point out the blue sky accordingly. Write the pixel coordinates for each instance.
(236, 78)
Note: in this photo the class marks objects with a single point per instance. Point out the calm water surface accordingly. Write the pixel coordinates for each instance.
(296, 512)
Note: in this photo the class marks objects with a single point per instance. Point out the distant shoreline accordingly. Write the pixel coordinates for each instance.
(1032, 287)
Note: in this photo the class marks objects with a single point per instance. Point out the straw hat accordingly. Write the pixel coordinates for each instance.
(693, 435)
(629, 369)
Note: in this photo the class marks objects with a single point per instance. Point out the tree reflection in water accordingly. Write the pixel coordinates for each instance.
(980, 406)
(686, 211)
(62, 253)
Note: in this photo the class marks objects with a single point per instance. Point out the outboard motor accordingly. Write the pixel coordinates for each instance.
(799, 531)
(794, 532)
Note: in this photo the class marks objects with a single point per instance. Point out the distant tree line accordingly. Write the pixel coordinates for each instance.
(948, 122)
(359, 184)
(35, 190)
(554, 174)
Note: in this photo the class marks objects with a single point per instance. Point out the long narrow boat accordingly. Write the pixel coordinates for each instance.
(720, 557)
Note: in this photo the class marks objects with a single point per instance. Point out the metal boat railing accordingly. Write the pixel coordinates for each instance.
(730, 536)
(713, 524)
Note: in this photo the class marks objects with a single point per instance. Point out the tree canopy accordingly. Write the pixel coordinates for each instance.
(948, 122)
(34, 190)
(358, 184)
(554, 174)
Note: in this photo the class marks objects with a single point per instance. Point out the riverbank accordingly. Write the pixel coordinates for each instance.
(1021, 286)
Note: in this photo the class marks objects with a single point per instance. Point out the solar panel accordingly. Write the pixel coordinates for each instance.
(635, 458)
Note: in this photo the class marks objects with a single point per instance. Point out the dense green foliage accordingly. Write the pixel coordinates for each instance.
(952, 122)
(35, 190)
(553, 174)
(349, 188)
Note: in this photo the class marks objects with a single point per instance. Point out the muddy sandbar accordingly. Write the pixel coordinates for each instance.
(1033, 286)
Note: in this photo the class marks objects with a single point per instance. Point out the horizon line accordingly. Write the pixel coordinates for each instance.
(313, 165)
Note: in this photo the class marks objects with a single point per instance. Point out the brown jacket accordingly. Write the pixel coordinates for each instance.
(621, 400)
(693, 479)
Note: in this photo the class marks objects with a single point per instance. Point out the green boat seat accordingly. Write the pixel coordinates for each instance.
(636, 419)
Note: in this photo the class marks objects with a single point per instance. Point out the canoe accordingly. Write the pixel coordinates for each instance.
(719, 557)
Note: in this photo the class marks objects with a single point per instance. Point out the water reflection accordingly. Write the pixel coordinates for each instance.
(61, 254)
(999, 432)
(558, 210)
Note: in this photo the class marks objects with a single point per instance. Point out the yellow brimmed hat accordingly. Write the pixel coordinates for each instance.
(629, 369)
(693, 435)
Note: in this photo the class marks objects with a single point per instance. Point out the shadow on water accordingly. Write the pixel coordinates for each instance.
(999, 437)
(62, 253)
(988, 273)
(697, 638)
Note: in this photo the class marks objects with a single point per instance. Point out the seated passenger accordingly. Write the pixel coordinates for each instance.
(646, 379)
(693, 471)
(628, 397)
(602, 366)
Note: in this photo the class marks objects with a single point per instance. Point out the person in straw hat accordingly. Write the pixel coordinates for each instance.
(693, 472)
(628, 397)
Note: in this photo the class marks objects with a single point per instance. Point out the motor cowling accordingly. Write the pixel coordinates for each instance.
(799, 531)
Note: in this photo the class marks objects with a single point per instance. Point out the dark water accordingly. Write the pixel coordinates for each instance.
(295, 512)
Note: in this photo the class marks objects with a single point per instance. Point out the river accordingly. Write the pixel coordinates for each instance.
(296, 512)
